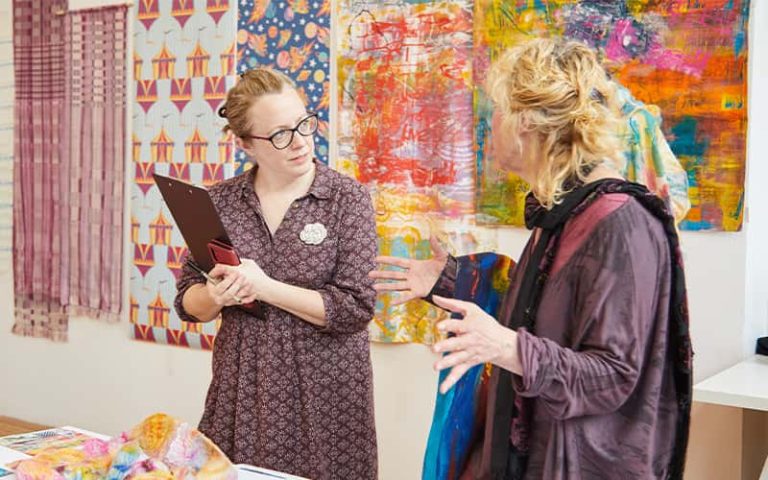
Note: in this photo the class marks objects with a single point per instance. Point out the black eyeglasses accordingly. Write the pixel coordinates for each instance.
(282, 139)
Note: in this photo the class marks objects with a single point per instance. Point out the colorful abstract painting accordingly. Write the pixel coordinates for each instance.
(405, 131)
(687, 58)
(184, 63)
(292, 36)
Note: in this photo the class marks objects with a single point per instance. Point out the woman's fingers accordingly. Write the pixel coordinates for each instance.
(394, 261)
(452, 344)
(225, 283)
(220, 270)
(438, 251)
(452, 305)
(388, 275)
(455, 374)
(235, 288)
(452, 359)
(391, 286)
(249, 298)
(457, 327)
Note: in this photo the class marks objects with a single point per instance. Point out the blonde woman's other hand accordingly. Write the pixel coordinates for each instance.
(412, 278)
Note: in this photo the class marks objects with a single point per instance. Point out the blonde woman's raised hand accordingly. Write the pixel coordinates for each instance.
(474, 339)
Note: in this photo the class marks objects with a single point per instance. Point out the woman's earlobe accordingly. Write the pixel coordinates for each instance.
(524, 123)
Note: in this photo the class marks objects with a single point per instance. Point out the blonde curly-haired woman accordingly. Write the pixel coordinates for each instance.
(591, 353)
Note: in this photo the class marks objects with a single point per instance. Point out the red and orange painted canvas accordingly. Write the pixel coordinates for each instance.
(687, 57)
(405, 130)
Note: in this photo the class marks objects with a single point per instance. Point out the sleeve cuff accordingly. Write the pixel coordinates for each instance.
(446, 284)
(529, 349)
(329, 306)
(179, 304)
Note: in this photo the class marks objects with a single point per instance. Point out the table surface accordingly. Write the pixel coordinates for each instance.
(244, 472)
(744, 385)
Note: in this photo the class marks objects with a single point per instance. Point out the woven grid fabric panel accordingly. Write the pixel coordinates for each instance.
(69, 164)
(95, 161)
(97, 52)
(40, 71)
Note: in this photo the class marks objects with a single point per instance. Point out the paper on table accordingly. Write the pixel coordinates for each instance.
(34, 442)
(9, 456)
(22, 446)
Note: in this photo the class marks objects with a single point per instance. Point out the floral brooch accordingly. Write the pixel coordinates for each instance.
(313, 233)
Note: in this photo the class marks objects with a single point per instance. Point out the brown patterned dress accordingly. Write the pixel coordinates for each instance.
(286, 394)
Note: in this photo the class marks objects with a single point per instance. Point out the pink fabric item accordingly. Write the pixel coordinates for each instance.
(68, 164)
(40, 73)
(95, 162)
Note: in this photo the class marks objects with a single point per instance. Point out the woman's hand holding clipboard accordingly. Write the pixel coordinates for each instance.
(197, 219)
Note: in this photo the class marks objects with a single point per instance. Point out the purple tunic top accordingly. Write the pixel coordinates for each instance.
(286, 394)
(598, 370)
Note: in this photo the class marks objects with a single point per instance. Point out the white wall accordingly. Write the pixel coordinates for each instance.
(103, 381)
(6, 130)
(757, 176)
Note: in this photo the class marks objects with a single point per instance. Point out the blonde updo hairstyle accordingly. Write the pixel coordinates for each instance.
(559, 92)
(252, 85)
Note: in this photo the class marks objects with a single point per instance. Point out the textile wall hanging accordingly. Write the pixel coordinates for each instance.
(94, 161)
(405, 130)
(6, 137)
(68, 165)
(688, 58)
(293, 37)
(38, 206)
(183, 65)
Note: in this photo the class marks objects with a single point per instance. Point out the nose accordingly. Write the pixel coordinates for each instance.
(299, 141)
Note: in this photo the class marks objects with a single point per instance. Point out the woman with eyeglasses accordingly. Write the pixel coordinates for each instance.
(291, 391)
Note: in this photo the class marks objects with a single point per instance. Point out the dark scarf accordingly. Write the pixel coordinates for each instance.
(510, 412)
